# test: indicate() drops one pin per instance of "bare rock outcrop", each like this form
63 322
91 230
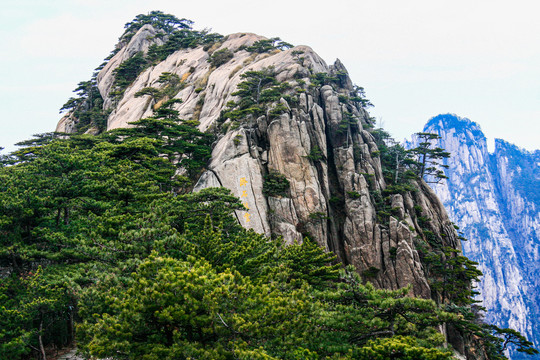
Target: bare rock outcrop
319 141
139 42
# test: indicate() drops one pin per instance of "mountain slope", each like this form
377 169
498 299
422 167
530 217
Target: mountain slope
295 143
494 200
314 118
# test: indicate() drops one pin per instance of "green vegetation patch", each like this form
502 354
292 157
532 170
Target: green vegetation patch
275 184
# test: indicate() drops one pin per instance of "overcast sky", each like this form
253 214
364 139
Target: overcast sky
418 58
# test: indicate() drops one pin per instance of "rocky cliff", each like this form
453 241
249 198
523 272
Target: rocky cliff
493 197
313 141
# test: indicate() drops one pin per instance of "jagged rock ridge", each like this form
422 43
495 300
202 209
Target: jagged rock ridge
494 199
331 195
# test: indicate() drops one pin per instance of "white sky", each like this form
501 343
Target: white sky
418 58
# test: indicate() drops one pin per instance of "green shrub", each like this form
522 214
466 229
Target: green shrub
292 100
353 194
343 99
423 221
318 216
359 96
267 45
128 71
237 140
87 107
171 85
220 57
315 154
320 79
371 272
431 238
275 184
398 189
277 111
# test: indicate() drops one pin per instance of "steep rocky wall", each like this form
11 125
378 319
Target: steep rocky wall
331 195
320 140
500 220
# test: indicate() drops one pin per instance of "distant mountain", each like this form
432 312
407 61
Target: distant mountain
495 199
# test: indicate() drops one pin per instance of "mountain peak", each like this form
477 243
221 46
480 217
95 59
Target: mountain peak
494 199
292 139
456 123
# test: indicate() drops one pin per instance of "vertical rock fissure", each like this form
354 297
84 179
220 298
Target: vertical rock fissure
253 140
221 184
336 218
257 206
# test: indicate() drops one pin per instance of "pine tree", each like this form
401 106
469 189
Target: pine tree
428 159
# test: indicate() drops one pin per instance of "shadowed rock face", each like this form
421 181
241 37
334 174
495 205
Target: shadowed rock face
494 198
317 117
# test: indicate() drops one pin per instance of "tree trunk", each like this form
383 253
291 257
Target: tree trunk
71 326
15 264
41 348
58 216
258 91
423 167
397 169
66 216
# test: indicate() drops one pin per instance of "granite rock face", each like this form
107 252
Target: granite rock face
320 142
494 199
